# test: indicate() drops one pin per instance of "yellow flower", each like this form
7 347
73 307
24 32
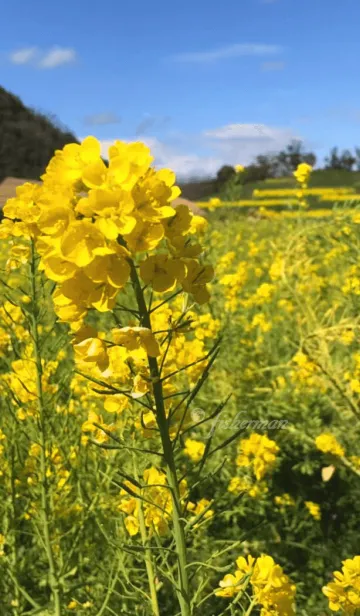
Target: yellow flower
180 223
245 565
272 589
344 592
201 505
347 337
133 338
284 500
303 173
144 236
239 484
194 449
89 426
92 350
231 585
313 509
157 508
77 162
80 243
2 543
327 443
162 272
258 452
132 525
116 404
197 277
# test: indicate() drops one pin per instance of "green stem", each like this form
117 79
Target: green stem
178 524
251 607
14 552
148 554
44 487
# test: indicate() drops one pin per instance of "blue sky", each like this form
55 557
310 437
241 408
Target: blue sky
204 83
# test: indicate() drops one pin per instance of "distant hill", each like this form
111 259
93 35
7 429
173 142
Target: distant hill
198 190
202 190
28 138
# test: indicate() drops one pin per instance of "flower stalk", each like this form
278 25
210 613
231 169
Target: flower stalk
148 556
42 426
177 518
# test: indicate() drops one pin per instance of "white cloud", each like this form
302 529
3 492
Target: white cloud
229 51
102 119
241 143
24 56
57 56
231 132
33 56
185 165
226 145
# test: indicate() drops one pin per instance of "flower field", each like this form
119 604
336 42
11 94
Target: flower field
180 399
274 195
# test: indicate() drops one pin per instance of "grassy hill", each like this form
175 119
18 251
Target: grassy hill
205 189
322 177
27 138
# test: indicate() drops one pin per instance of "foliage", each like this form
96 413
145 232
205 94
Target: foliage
27 138
345 160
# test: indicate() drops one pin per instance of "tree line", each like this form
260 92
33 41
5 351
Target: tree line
283 163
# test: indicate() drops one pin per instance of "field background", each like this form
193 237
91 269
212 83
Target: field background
284 306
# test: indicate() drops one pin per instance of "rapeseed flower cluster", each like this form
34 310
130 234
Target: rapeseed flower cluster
344 592
256 459
271 588
313 509
90 219
284 500
327 443
157 505
259 453
194 449
291 192
302 175
96 227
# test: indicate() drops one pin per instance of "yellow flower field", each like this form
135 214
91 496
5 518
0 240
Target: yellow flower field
301 196
180 402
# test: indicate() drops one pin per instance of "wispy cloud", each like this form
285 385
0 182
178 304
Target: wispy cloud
229 51
273 66
102 119
232 132
57 56
43 59
24 56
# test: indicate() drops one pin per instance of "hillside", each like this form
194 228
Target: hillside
27 138
204 189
